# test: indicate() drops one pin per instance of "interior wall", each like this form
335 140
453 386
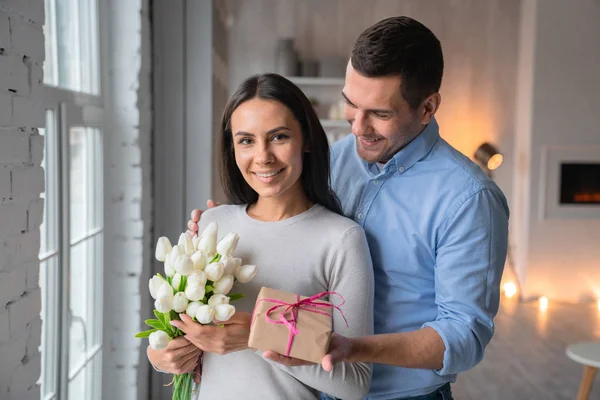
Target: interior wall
560 256
479 39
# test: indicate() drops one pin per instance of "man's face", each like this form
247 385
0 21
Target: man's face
381 119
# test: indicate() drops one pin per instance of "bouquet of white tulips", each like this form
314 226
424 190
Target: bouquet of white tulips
200 273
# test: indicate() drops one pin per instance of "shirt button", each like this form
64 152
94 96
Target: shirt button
375 181
360 215
401 169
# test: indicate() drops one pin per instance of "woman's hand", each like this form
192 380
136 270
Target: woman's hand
179 357
233 336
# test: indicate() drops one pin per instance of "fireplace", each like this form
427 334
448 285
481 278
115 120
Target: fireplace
580 183
570 183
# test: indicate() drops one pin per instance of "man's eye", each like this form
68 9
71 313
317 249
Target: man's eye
382 116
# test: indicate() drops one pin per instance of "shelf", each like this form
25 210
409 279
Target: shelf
316 81
335 123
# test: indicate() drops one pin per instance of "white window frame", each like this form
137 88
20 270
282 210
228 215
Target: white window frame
71 109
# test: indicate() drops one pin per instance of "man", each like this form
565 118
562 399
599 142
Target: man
437 226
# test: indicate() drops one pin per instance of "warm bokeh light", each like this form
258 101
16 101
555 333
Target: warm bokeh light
495 161
543 303
510 289
598 304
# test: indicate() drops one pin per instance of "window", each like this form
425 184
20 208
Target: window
72 234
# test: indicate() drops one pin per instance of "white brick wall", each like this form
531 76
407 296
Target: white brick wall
128 107
21 210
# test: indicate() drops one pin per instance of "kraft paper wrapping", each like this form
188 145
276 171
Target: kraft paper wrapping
312 341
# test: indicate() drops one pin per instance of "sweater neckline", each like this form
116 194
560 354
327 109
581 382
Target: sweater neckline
243 214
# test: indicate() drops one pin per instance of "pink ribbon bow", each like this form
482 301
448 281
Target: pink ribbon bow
289 316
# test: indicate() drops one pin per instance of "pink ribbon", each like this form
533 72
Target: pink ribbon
309 304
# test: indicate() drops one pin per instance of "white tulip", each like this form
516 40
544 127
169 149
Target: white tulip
192 308
165 290
246 273
205 314
175 252
214 271
228 244
208 240
176 281
158 340
211 229
199 260
223 285
163 247
180 302
184 265
218 299
223 312
185 241
195 292
195 241
155 284
197 278
163 304
230 264
169 270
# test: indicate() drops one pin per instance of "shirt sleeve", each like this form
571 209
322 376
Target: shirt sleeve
470 257
352 277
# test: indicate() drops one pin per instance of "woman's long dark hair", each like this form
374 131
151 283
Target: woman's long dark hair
315 176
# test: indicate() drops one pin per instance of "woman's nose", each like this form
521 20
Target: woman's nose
263 154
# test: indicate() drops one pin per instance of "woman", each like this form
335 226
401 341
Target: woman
275 171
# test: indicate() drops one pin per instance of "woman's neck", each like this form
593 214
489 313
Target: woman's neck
287 205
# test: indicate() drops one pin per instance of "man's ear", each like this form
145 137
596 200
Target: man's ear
430 106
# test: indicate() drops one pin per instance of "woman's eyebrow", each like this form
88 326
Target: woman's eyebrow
279 128
242 133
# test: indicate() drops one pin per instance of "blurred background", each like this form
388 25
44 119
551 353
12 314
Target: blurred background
109 115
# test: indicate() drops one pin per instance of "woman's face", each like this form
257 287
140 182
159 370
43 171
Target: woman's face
268 146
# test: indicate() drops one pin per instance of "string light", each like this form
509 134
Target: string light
543 303
510 289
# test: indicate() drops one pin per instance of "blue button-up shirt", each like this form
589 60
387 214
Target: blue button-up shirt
437 228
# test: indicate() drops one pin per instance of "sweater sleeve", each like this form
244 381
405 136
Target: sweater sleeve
350 275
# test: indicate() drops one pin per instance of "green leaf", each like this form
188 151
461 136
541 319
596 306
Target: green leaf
182 283
156 324
168 328
160 276
217 258
145 334
209 288
236 296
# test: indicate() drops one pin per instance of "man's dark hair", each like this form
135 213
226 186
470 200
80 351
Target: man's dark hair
404 47
315 177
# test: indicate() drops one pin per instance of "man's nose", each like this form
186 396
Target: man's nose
360 124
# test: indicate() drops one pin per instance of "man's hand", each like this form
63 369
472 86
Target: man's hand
339 350
195 217
233 336
179 357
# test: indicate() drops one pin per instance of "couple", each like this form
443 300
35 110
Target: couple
436 229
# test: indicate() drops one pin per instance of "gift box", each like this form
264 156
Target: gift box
292 325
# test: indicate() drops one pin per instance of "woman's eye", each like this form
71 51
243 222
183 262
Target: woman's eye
245 141
279 137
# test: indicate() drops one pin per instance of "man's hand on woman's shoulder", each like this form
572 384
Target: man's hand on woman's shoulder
195 218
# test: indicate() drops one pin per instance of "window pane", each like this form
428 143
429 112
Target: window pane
49 226
79 155
78 335
77 387
95 292
72 45
50 321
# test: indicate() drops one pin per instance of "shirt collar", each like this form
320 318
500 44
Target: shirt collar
414 151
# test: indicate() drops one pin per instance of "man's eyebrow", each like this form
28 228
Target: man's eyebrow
375 110
348 100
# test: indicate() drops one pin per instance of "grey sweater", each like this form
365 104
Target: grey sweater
312 252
